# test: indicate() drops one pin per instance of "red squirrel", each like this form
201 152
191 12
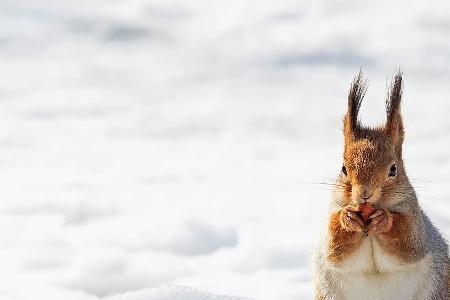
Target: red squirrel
379 243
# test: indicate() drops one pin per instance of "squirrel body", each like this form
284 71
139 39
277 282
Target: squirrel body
398 253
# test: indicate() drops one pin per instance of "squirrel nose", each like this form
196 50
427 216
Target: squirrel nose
363 193
366 193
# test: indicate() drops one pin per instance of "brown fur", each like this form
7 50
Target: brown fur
341 243
369 153
400 241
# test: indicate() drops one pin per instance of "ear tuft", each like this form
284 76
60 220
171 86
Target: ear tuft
355 96
394 123
394 97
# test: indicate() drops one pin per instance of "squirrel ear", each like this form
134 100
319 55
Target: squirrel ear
394 123
355 96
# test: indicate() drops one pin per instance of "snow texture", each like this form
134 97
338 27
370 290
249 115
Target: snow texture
148 145
170 293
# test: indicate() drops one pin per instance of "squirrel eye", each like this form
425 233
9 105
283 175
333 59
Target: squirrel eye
344 170
393 171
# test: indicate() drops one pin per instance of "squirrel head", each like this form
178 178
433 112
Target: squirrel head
373 167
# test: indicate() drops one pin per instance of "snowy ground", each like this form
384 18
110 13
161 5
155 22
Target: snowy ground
155 149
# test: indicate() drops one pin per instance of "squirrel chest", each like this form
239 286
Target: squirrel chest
377 275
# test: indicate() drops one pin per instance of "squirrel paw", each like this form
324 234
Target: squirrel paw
381 222
350 220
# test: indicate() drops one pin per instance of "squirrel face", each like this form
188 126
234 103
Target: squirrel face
373 169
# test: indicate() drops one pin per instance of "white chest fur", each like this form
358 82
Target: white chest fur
372 274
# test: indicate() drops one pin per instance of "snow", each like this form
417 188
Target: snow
167 149
170 293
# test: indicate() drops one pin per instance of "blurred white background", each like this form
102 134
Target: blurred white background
148 143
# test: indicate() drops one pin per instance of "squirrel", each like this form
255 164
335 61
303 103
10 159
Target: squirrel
379 243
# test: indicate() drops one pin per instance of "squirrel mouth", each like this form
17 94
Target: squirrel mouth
365 210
